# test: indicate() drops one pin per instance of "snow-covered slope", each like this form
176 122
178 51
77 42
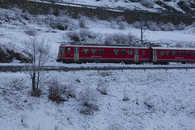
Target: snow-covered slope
17 27
171 6
160 100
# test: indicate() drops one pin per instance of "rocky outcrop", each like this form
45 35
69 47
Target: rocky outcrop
7 56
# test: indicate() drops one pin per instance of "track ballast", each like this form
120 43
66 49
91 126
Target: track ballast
20 68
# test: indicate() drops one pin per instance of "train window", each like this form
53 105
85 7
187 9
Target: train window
68 50
143 52
130 52
174 53
93 51
181 53
101 51
161 53
188 53
116 51
85 50
124 52
193 53
168 53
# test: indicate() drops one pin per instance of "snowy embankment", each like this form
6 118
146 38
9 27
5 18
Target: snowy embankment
160 100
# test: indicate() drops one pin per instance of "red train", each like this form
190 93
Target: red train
78 53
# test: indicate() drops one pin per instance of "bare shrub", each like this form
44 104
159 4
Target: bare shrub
55 93
26 15
82 35
83 22
39 51
125 95
88 101
59 92
155 103
78 80
121 39
61 23
30 32
36 93
74 36
69 91
12 16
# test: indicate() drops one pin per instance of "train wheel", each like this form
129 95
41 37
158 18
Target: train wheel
122 62
164 63
155 63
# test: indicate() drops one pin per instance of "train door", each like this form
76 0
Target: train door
150 54
76 54
136 56
154 55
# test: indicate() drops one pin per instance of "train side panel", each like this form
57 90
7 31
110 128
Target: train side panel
175 55
144 55
103 54
106 54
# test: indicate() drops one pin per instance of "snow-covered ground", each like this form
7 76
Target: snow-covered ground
160 100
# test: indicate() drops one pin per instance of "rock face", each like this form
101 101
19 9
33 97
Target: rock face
7 56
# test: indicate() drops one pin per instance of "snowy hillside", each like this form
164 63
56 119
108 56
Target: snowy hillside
171 6
94 100
17 27
135 100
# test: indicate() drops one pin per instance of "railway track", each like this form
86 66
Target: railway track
84 68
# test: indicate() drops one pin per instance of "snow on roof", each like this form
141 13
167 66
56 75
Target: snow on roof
172 48
74 44
101 45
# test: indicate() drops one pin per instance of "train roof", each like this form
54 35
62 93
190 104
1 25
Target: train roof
84 44
101 45
172 48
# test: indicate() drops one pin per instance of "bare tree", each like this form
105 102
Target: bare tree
39 52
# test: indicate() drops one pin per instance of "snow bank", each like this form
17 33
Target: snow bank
157 100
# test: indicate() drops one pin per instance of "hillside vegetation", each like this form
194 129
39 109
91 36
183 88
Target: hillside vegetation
21 20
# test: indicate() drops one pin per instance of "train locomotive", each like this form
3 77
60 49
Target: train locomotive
82 53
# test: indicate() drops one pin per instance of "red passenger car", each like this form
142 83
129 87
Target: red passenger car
165 55
70 53
103 53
